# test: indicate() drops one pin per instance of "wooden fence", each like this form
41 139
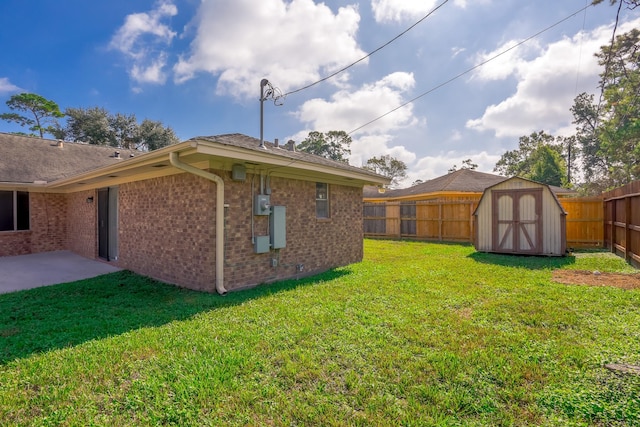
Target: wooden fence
622 222
452 220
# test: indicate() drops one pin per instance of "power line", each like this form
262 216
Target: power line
369 54
471 69
584 23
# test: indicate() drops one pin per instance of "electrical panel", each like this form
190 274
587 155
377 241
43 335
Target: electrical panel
278 227
261 205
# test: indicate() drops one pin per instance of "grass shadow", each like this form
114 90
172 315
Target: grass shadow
53 317
523 261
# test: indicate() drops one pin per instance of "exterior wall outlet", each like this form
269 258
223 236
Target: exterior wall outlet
274 262
299 268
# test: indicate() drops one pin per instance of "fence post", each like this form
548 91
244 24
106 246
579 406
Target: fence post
613 226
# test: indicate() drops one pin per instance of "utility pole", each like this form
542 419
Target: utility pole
263 83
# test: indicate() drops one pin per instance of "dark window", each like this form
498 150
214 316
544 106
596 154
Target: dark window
14 210
322 200
6 210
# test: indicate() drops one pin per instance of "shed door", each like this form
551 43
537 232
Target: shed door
517 221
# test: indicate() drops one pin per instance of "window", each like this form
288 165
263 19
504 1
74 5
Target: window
14 210
322 200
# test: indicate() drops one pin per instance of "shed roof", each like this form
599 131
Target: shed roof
517 178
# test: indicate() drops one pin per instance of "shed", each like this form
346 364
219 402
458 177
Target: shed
519 216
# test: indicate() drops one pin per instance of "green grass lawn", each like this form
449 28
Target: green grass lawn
417 334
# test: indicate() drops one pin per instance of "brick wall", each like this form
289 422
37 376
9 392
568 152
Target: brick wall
15 243
48 222
47 227
318 244
82 234
166 230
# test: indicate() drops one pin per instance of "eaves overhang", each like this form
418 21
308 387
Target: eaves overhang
204 155
272 162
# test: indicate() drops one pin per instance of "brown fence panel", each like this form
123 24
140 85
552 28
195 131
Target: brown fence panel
426 220
452 220
585 221
622 221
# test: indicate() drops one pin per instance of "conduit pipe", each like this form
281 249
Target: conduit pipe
175 162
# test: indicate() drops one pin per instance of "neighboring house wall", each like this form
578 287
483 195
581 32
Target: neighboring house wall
47 227
166 230
82 223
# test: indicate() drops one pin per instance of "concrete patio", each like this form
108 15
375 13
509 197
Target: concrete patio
48 268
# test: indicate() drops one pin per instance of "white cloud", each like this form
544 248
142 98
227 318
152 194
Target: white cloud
291 43
430 167
455 51
400 10
150 73
140 38
407 10
546 83
347 110
368 146
7 86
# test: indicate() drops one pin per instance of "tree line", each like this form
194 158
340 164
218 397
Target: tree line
605 149
89 125
335 145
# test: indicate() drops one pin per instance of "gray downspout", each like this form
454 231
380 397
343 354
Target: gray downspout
175 161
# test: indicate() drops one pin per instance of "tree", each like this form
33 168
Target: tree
333 145
631 4
547 167
152 135
90 125
123 130
519 162
466 164
538 157
389 167
595 166
619 131
44 112
97 126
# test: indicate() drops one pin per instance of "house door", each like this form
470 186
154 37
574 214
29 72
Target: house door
108 223
517 221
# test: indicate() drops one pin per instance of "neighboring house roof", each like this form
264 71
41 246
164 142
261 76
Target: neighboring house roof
72 166
460 181
26 159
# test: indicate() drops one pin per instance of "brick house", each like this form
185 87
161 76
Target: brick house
212 213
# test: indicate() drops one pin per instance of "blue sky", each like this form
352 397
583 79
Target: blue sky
196 66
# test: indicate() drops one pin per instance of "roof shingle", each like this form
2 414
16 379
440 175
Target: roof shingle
28 159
